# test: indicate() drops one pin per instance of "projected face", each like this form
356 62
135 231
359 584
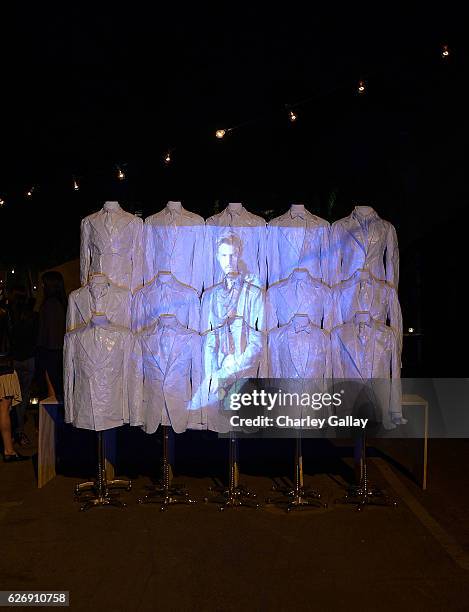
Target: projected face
227 256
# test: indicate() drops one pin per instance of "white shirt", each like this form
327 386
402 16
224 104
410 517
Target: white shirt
174 239
102 375
299 294
171 375
165 295
99 296
297 239
111 244
299 350
363 240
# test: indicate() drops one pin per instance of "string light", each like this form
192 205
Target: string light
13 270
220 134
34 288
444 51
2 202
411 330
292 116
361 87
120 173
167 158
29 193
76 185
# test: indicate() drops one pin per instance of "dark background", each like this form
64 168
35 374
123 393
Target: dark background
88 88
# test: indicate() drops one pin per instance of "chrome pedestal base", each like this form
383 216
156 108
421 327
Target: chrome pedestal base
101 486
366 495
166 494
235 495
297 499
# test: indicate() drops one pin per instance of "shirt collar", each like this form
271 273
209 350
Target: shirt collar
297 210
364 214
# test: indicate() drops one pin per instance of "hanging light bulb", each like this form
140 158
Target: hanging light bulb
444 51
292 116
220 134
76 185
120 174
361 87
167 158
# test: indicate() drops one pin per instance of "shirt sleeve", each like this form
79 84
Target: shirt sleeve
69 379
85 251
392 257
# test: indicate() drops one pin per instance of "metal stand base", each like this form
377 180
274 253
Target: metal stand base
165 493
101 485
235 495
366 494
299 497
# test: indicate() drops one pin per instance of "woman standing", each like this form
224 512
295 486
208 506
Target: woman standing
10 393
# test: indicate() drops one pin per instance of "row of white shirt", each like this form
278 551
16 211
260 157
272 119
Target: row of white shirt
234 297
168 374
130 253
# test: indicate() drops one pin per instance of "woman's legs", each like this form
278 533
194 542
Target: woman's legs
5 427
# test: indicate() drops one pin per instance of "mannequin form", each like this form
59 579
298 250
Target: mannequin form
299 349
111 243
99 295
165 295
174 239
297 239
103 381
299 293
364 240
171 374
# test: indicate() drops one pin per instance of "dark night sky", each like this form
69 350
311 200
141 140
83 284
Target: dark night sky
85 89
